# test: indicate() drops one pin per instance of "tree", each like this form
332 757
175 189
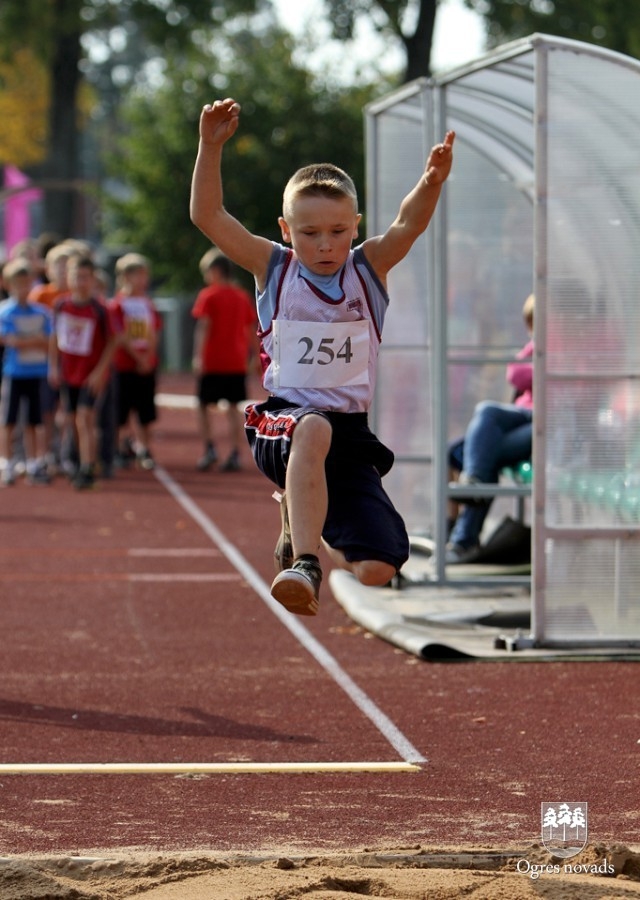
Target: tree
614 24
23 109
392 17
288 120
60 33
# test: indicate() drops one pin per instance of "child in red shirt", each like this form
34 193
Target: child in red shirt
80 352
225 336
137 323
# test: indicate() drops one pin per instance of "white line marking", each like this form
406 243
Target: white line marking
364 703
176 401
242 768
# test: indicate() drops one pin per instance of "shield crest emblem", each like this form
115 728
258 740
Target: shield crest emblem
564 828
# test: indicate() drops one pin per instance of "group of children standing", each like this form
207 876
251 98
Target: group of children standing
90 363
69 353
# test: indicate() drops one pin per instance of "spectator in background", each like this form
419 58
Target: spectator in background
137 324
55 262
225 339
80 353
24 332
499 435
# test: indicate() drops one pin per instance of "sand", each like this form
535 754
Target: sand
599 872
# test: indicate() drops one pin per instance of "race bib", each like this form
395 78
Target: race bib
31 326
320 354
75 334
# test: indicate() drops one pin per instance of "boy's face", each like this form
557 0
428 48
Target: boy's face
57 272
81 282
136 281
20 285
321 230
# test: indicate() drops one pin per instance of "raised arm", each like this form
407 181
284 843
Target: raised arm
414 215
218 123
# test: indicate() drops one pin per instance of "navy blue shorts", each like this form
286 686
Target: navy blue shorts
72 396
213 387
18 393
135 392
361 520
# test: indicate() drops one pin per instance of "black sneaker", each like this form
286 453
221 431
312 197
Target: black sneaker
232 464
85 479
208 459
283 554
297 588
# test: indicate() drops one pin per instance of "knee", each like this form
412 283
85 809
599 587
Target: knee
373 572
484 409
314 433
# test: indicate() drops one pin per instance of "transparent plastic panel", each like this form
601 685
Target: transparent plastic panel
403 409
490 258
401 414
591 593
593 213
590 437
400 156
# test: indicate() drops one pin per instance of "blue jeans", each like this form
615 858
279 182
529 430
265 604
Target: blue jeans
498 435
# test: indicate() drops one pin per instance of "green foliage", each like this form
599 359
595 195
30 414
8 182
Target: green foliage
288 120
391 17
614 24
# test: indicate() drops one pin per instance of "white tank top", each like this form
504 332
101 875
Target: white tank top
318 351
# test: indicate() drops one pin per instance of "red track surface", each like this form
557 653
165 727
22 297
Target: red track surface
106 657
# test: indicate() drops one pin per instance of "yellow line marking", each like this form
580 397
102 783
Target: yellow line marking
240 768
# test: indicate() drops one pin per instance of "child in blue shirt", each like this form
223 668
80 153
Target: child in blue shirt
24 332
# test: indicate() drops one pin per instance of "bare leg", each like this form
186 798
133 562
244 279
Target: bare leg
235 417
306 483
372 572
85 423
204 425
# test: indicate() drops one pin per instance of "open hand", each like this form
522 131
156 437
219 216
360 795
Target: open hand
440 159
219 121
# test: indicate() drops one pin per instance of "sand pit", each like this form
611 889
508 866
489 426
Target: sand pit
599 872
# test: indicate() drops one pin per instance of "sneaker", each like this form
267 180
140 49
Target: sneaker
297 588
8 476
39 475
283 554
455 555
232 464
210 457
145 460
85 479
125 454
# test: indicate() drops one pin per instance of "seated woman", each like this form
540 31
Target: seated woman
499 435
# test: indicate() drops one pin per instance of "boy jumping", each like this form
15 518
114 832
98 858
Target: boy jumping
321 308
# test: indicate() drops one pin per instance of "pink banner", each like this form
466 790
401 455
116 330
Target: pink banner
17 209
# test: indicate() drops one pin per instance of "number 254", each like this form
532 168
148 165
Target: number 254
324 353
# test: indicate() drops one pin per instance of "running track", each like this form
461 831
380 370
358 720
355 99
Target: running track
137 628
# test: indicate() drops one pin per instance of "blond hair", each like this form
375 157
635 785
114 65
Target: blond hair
527 310
130 262
214 258
318 180
18 266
